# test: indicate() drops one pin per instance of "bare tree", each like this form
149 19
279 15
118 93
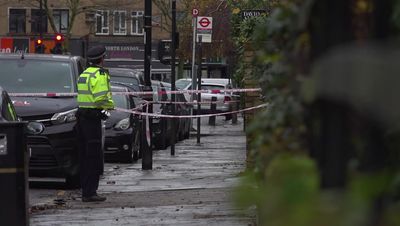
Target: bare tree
218 9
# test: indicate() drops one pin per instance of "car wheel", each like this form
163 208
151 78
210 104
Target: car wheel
162 139
186 134
181 134
162 142
228 117
133 154
130 156
136 147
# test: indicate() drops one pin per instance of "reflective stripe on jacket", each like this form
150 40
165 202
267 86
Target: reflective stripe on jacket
94 89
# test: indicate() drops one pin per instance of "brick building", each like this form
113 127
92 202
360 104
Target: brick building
117 24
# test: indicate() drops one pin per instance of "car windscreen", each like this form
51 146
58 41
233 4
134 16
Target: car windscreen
131 82
36 76
182 84
120 101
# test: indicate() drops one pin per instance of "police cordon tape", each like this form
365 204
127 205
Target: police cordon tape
134 111
141 93
194 102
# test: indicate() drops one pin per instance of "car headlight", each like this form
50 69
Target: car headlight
64 117
123 124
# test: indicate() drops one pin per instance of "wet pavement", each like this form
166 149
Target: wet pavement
194 187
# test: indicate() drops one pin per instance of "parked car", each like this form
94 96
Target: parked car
213 85
182 108
134 81
8 114
54 152
160 127
122 133
7 110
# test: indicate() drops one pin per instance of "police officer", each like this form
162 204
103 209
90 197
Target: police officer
94 101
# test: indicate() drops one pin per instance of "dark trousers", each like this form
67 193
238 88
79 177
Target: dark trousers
90 152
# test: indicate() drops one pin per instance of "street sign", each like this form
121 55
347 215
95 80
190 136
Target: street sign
204 29
253 13
195 12
204 23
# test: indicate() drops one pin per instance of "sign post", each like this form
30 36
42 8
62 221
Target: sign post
195 12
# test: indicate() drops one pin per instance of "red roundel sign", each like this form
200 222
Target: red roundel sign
204 23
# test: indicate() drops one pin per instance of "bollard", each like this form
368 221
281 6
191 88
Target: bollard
213 109
235 107
13 174
147 152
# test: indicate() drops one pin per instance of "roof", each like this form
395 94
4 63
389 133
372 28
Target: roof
127 72
118 88
38 56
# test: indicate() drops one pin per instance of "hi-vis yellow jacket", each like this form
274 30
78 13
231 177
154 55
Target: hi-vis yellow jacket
94 89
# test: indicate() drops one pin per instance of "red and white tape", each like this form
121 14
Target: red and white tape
194 102
188 116
139 93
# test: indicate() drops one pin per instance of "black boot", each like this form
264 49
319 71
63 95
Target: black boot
94 198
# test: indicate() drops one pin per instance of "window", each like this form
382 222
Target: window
61 19
102 22
35 21
17 21
120 22
137 23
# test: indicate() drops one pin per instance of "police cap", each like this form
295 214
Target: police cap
96 52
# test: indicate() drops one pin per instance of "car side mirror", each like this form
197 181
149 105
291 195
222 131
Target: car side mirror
34 128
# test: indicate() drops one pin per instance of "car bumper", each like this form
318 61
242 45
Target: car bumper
117 144
54 152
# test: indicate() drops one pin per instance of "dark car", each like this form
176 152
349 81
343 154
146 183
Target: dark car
7 111
183 125
8 114
54 152
161 127
122 134
134 81
131 78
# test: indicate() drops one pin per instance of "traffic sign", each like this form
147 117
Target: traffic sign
195 12
204 28
204 23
